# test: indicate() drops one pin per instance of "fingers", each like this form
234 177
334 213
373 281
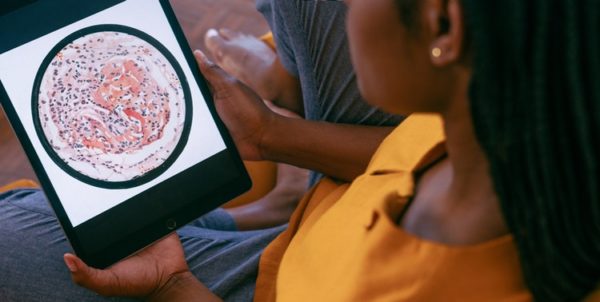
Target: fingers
232 56
206 66
227 55
96 280
215 43
218 80
216 40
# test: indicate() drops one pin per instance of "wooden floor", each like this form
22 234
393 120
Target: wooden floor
195 16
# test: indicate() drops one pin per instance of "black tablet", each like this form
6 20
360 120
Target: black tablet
119 125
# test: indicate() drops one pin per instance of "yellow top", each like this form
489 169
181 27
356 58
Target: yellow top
343 243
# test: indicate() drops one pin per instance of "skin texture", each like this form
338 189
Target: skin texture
255 64
455 203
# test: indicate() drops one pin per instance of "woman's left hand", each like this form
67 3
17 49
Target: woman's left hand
142 275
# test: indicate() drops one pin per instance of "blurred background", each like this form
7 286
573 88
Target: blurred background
195 17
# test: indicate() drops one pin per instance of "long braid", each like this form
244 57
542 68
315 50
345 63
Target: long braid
536 106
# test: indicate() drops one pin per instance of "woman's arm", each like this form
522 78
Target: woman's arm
340 151
337 150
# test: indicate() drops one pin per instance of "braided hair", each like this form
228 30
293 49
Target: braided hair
535 102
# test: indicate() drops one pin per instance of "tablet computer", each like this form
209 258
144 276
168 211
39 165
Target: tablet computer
106 98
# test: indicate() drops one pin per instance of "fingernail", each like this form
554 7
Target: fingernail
71 265
211 33
200 55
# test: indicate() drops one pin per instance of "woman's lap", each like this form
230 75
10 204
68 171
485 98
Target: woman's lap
32 244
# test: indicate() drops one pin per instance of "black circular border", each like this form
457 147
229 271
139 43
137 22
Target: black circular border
145 178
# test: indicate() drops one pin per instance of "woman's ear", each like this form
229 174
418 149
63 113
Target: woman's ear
445 22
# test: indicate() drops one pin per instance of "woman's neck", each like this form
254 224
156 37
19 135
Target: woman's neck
456 202
470 169
471 192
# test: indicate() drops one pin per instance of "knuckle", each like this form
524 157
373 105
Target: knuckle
212 66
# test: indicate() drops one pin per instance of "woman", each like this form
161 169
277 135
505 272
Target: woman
498 176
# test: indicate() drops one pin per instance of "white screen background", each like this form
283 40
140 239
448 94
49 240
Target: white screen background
19 67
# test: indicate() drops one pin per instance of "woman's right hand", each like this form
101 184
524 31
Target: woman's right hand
242 110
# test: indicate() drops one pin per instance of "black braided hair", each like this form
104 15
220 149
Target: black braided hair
535 101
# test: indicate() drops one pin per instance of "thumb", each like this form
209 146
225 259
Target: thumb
96 280
218 80
215 44
207 67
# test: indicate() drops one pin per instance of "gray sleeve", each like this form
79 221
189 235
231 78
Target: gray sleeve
285 49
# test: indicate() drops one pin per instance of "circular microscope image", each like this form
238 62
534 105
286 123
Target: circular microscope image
112 106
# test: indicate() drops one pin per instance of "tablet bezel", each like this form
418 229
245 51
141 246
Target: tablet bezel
126 242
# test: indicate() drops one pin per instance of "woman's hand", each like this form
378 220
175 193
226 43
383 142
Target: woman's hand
241 109
257 65
149 273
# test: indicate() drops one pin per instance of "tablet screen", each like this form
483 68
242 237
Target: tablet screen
109 104
112 106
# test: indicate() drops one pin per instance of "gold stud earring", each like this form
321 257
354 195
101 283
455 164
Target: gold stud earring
436 52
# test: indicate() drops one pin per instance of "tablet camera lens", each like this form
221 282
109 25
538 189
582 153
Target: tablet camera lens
171 224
